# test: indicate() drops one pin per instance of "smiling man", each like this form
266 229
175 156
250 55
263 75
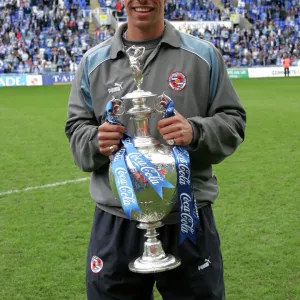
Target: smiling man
145 19
209 122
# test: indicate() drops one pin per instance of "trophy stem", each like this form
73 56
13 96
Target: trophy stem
141 127
154 259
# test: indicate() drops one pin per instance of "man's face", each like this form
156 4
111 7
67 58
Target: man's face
144 14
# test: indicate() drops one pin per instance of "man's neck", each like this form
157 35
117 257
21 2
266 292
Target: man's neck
142 34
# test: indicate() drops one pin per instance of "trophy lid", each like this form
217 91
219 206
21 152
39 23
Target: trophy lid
138 94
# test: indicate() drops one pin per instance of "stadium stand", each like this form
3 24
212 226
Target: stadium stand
40 36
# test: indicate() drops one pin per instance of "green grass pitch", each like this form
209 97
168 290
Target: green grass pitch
44 232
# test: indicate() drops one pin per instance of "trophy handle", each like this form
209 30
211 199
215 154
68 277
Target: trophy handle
161 102
118 107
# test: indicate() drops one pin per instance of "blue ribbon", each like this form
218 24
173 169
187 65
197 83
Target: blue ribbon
140 162
188 213
123 183
145 167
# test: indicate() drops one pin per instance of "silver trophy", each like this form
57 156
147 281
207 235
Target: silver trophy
153 207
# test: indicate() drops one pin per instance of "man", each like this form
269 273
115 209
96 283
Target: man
210 122
286 65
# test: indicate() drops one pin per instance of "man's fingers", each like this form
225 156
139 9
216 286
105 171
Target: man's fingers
109 135
174 135
170 120
109 150
166 122
108 143
170 128
108 127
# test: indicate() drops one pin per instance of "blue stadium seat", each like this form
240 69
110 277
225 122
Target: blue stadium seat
78 59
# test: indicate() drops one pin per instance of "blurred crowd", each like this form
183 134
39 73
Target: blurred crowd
38 36
270 31
260 45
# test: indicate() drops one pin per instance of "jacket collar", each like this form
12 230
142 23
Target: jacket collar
171 37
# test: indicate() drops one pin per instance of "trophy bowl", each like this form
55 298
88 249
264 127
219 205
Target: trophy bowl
153 207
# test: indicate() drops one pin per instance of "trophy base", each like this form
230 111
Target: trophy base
154 258
144 266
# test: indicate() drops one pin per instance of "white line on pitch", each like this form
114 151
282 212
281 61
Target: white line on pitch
43 186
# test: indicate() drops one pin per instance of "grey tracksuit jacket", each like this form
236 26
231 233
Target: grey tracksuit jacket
190 71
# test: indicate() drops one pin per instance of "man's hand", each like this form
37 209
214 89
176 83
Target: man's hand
109 137
176 128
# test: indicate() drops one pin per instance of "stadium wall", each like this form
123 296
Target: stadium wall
67 78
